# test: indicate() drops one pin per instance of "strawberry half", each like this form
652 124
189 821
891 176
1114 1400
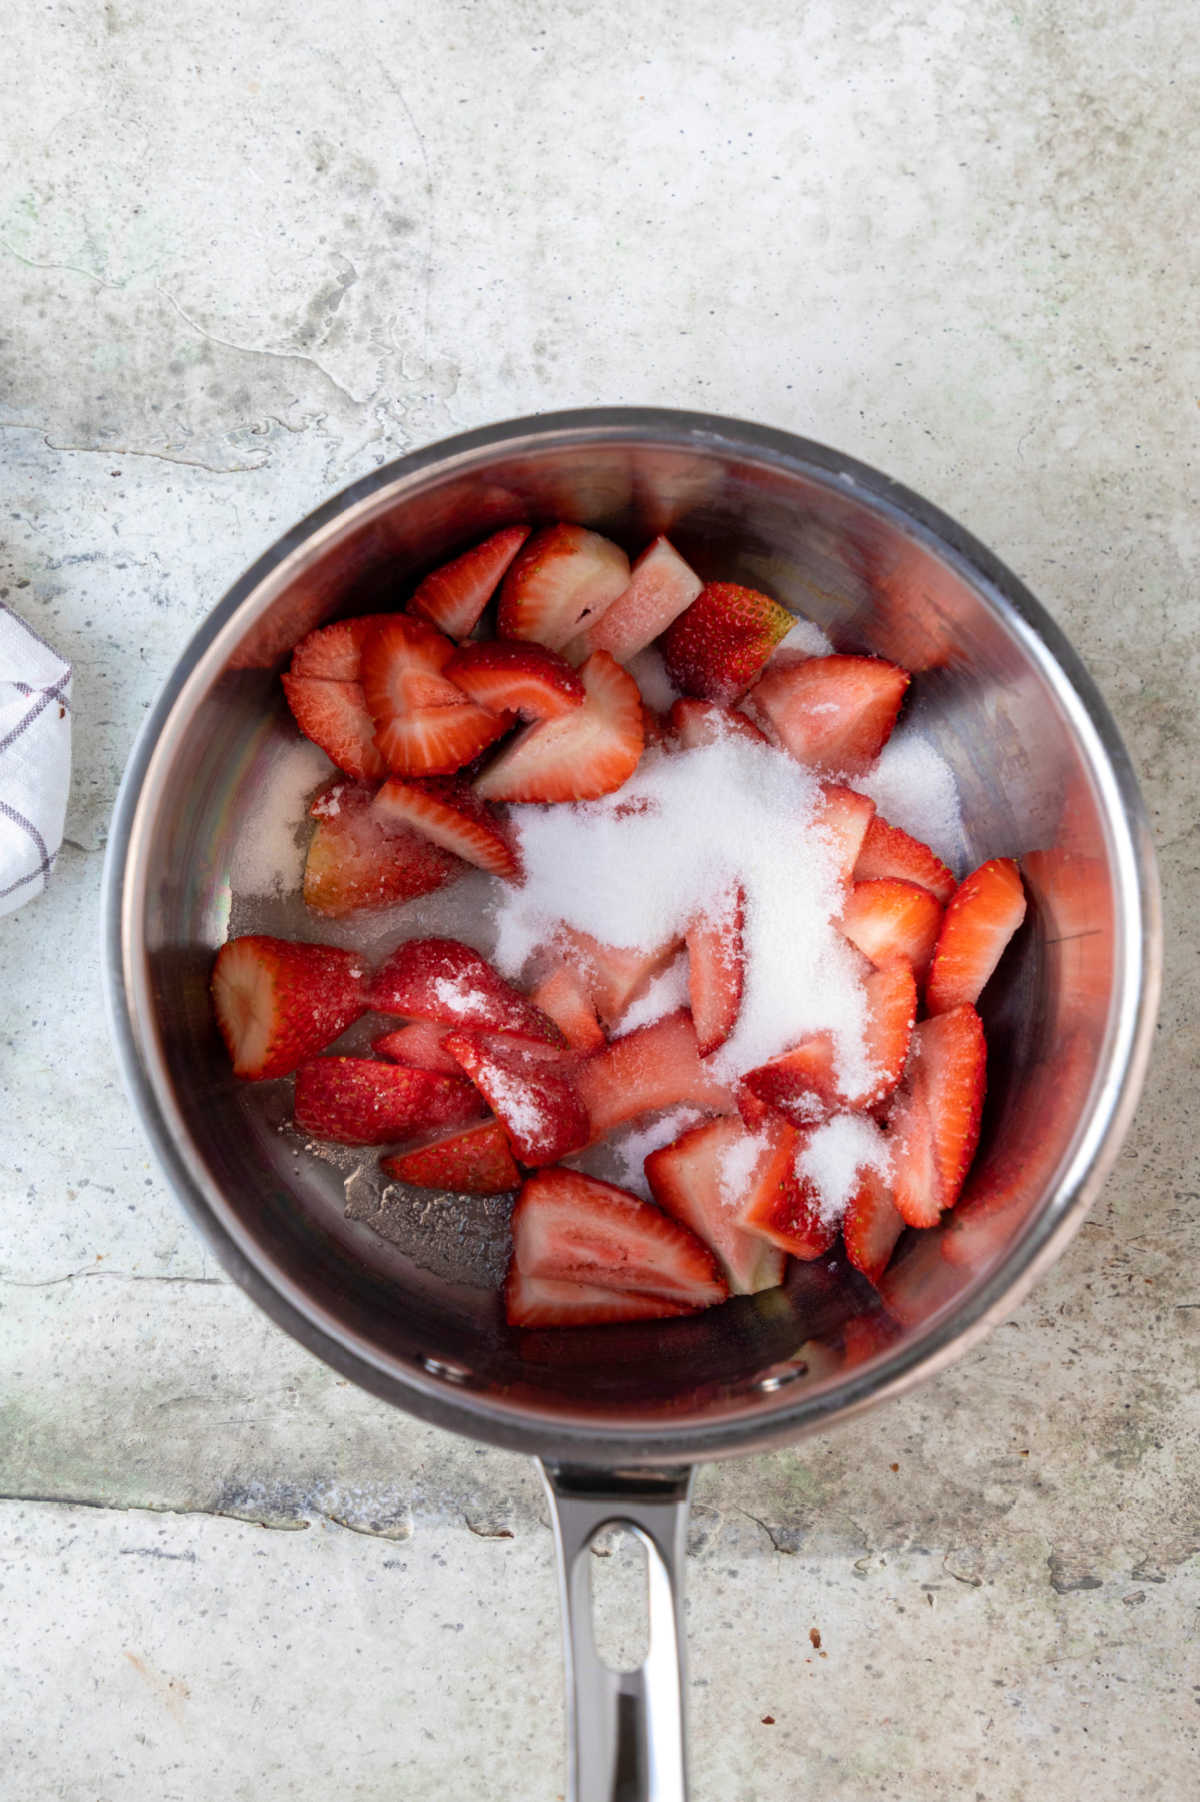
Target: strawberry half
871 1225
562 581
802 1085
334 653
357 1101
277 1001
887 919
787 1212
717 648
335 716
887 851
832 713
563 998
447 811
571 1228
986 910
710 1178
509 675
475 1162
353 864
845 817
704 723
717 969
654 1066
589 752
443 979
935 1119
453 596
531 1095
537 1301
661 585
421 1045
613 976
424 725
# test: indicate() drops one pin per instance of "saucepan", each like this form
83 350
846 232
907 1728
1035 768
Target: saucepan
403 1299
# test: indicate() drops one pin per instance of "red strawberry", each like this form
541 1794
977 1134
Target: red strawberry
424 725
654 727
589 752
563 998
709 1178
661 585
570 1228
935 1120
334 652
887 851
358 1101
562 582
846 818
449 813
787 1211
334 715
986 910
717 648
536 1301
474 1162
514 676
654 1066
832 713
802 1084
442 979
717 969
420 1045
871 1225
533 1097
453 596
353 863
612 975
887 919
278 1001
704 722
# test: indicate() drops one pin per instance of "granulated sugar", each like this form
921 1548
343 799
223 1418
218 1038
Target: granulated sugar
736 1164
804 639
913 787
663 996
833 1155
268 855
631 1146
650 673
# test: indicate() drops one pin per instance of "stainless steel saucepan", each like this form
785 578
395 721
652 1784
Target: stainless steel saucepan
619 1415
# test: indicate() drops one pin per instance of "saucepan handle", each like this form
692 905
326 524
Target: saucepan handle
626 1728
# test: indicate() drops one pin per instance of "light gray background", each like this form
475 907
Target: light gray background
248 254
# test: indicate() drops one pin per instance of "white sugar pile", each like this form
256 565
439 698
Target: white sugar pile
268 856
650 673
664 995
833 1154
804 639
912 786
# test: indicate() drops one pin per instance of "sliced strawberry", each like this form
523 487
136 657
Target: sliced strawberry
453 596
845 817
787 1211
887 851
704 723
661 585
709 1178
354 865
475 1162
278 1001
717 969
561 583
935 1120
424 724
449 813
570 1228
510 675
358 1101
654 1066
589 752
654 727
533 1098
871 1225
612 975
563 998
420 1045
802 1085
334 652
887 919
717 648
986 910
832 713
335 716
443 979
538 1301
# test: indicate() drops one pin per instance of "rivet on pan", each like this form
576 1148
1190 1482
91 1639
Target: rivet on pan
786 1373
449 1373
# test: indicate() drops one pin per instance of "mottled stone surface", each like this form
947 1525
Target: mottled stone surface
248 255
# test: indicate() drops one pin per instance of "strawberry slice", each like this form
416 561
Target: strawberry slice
832 713
570 1228
563 998
661 585
613 976
424 724
453 596
532 1096
787 1211
717 969
589 752
562 582
443 979
335 716
537 1301
654 728
475 1162
887 919
802 1085
278 1001
887 851
509 675
986 910
654 1066
354 865
717 648
871 1225
357 1101
704 723
448 813
711 1178
846 818
334 652
421 1045
935 1119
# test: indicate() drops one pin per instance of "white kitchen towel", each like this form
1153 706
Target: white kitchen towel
35 759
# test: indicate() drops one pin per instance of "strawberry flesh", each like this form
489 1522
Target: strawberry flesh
717 969
513 676
803 1085
447 811
986 910
661 585
532 1096
358 1101
887 919
845 818
831 713
354 864
424 724
935 1119
445 980
787 1211
654 1066
871 1225
453 597
563 998
691 1180
334 653
613 976
475 1162
561 583
718 646
278 1001
589 752
421 1045
538 1301
705 723
888 851
335 716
